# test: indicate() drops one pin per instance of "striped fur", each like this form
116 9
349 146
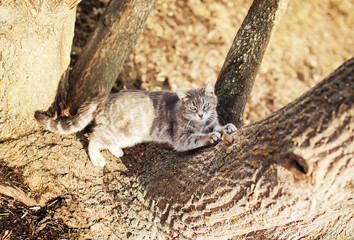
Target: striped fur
69 125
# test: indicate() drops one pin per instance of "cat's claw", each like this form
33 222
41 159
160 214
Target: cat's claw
229 128
215 136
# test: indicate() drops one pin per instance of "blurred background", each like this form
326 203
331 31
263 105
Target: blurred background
185 43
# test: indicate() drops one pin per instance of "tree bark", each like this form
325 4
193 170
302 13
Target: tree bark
104 55
237 75
289 176
35 38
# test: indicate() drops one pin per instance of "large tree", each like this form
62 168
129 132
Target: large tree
287 176
35 43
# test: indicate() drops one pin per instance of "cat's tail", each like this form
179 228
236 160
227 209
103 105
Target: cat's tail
70 125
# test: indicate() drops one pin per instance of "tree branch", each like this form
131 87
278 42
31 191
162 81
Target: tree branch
20 196
294 166
237 75
103 57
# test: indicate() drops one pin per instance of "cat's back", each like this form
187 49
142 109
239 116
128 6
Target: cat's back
134 112
140 98
130 113
163 100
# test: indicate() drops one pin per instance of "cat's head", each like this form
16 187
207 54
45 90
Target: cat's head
198 104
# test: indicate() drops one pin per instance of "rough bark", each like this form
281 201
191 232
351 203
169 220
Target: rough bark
289 176
32 59
103 57
235 81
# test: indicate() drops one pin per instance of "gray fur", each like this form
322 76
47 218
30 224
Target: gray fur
184 119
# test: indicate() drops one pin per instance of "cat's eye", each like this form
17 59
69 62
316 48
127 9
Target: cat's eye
193 108
205 106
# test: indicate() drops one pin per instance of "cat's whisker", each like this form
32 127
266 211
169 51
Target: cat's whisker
220 119
187 124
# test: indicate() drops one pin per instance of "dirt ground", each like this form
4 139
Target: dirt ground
19 221
184 45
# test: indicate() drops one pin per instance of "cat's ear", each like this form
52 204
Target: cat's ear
209 88
182 95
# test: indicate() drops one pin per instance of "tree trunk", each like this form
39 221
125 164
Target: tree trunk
289 176
104 55
36 57
32 59
237 75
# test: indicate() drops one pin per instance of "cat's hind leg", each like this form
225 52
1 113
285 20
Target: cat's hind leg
94 153
116 151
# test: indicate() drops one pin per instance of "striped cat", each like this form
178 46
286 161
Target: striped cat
184 119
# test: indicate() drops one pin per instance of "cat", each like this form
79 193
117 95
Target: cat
185 119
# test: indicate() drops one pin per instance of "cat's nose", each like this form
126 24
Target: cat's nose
200 115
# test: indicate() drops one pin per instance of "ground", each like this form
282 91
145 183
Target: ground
19 221
184 45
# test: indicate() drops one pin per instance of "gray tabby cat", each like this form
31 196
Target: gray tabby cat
184 119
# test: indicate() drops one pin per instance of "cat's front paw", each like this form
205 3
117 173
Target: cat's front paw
214 137
229 128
